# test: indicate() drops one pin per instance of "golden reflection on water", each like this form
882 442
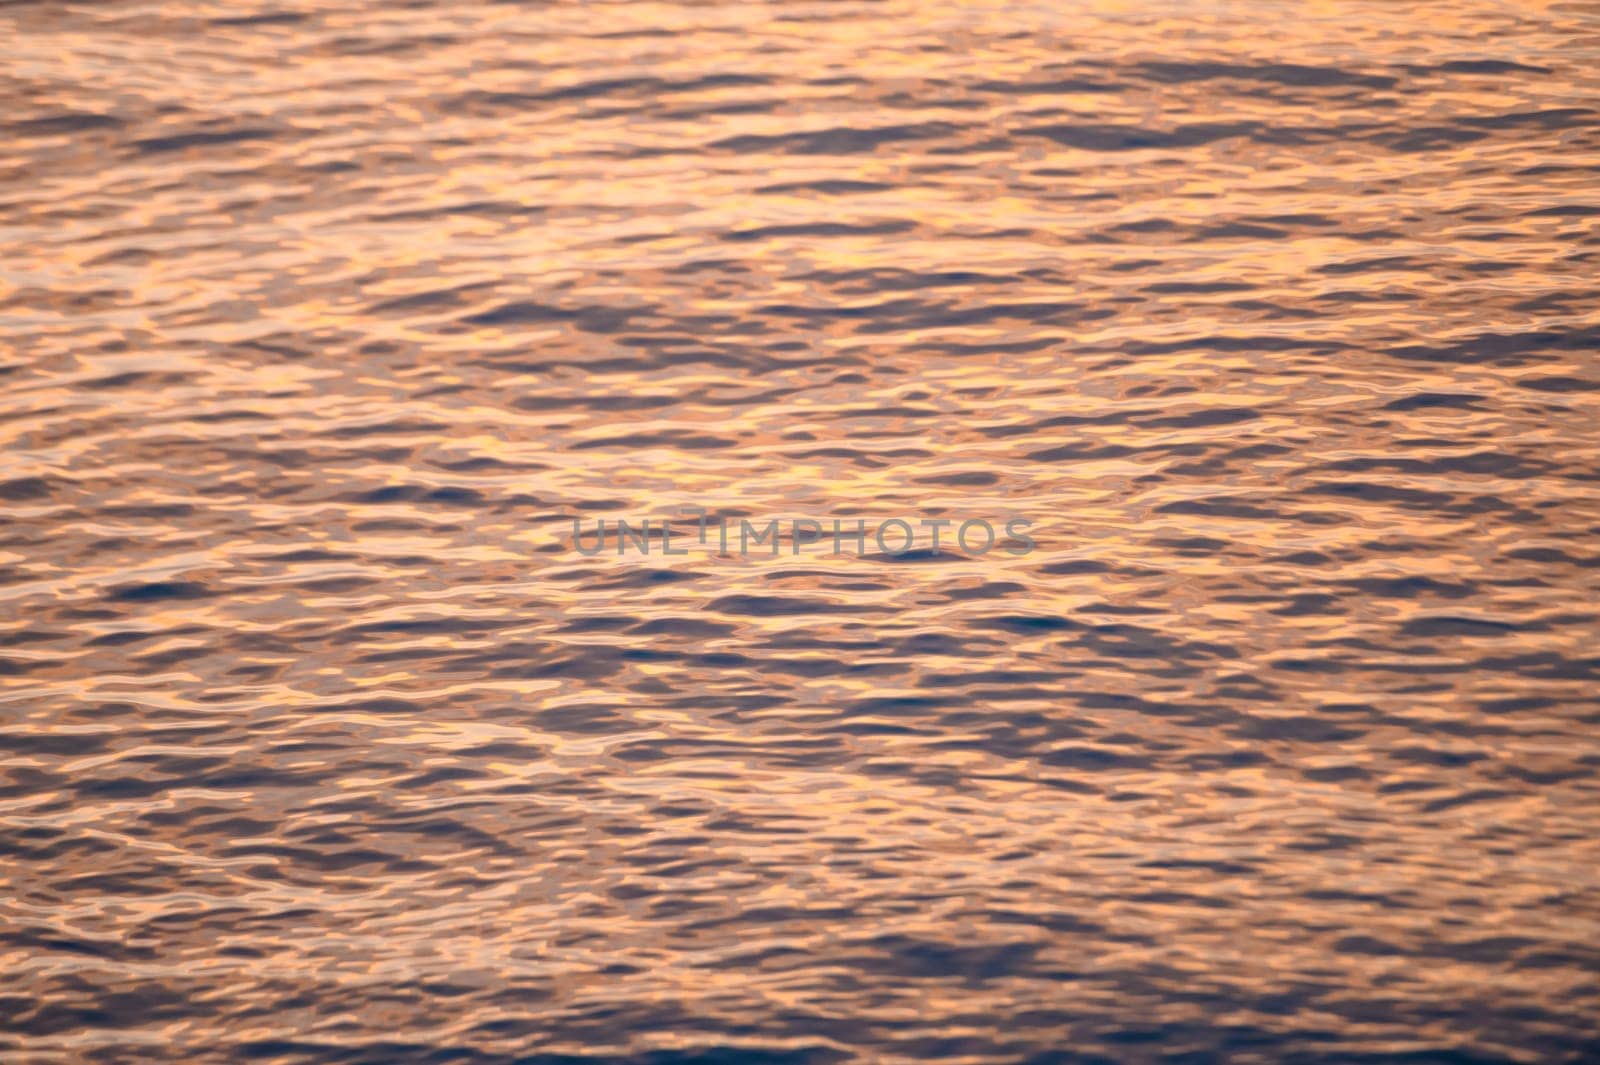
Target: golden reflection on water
323 744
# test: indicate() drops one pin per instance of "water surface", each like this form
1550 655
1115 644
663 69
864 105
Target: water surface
320 321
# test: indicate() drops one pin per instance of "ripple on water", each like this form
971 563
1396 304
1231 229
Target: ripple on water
321 322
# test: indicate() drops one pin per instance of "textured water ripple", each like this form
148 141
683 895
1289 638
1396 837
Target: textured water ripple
319 322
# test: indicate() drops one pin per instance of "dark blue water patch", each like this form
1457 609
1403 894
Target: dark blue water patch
623 402
1293 74
821 229
647 578
827 187
1411 587
1026 624
1104 137
262 18
1429 139
1564 210
1559 118
1504 349
29 489
1559 383
1463 626
455 496
1222 507
838 140
1196 287
205 139
1481 463
686 628
1435 401
64 122
162 590
1374 492
1488 66
681 439
778 606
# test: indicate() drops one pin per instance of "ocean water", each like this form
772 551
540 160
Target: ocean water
320 323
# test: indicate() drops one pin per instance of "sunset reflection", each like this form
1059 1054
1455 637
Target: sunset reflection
323 324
